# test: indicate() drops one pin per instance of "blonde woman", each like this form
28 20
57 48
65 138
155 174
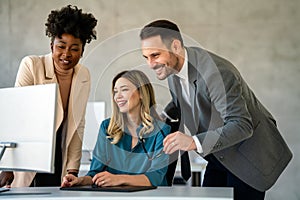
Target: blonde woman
129 146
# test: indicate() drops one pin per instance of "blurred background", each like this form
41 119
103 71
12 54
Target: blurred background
261 38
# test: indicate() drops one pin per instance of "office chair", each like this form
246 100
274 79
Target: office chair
171 115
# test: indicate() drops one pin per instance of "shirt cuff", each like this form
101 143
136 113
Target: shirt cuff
198 145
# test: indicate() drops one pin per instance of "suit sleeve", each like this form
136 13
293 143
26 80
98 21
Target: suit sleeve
225 92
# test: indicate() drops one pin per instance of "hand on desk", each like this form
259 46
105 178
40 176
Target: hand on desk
101 179
6 178
178 141
69 180
106 179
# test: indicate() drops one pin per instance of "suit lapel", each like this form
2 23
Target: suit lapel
186 110
76 106
51 78
174 89
192 76
178 96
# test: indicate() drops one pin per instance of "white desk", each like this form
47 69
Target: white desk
161 193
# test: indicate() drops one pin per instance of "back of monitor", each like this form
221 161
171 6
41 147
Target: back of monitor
95 114
27 118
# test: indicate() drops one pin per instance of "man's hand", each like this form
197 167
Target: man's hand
178 141
6 178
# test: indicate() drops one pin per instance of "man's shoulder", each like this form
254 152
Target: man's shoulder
199 57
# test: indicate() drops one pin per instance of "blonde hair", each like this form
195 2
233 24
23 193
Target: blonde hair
148 112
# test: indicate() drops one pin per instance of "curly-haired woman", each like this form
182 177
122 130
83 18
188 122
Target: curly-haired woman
69 30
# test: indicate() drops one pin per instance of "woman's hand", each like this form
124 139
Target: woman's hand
69 180
6 178
107 179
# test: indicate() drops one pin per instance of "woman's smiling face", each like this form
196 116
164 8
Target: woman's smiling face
127 96
66 51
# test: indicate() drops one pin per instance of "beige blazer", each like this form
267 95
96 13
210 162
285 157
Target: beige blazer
35 70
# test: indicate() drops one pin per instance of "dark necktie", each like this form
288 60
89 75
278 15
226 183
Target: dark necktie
188 120
185 165
185 161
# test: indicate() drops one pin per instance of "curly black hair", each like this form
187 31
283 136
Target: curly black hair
71 20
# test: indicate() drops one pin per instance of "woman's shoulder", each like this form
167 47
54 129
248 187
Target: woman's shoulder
82 69
105 123
104 127
37 58
160 125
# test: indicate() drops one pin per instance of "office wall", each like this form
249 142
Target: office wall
260 37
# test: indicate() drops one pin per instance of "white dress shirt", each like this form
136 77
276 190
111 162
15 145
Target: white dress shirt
184 82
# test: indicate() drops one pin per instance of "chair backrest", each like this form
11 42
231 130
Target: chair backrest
172 118
172 168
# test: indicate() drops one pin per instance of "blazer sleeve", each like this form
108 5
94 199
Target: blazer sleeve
74 153
25 73
229 107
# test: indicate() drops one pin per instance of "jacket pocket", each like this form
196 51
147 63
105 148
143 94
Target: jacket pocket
264 149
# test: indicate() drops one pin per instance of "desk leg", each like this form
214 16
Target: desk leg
196 179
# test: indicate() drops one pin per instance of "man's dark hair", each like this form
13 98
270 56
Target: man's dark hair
168 31
72 21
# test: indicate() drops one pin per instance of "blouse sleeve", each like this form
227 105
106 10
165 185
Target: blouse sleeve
99 153
159 166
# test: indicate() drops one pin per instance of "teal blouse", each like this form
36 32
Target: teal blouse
120 158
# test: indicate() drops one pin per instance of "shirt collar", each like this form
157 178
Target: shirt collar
138 129
183 73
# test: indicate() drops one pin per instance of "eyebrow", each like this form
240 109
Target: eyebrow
123 86
153 54
61 41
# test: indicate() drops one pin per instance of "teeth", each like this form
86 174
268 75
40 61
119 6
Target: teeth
122 103
66 61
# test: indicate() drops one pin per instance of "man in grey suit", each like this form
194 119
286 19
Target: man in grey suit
228 125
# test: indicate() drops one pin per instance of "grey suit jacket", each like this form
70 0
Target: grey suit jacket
230 122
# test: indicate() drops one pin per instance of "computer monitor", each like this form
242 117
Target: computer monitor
27 128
